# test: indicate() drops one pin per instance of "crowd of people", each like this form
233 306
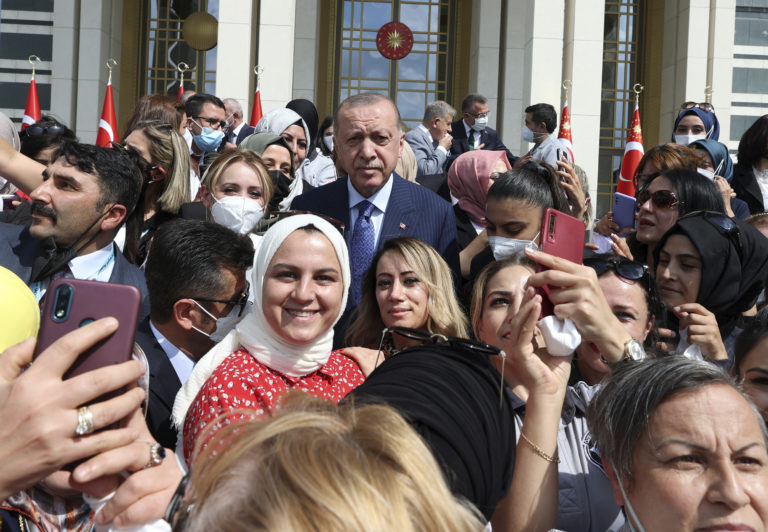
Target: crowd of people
346 326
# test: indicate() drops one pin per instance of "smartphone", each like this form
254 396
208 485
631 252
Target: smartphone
624 210
73 303
562 236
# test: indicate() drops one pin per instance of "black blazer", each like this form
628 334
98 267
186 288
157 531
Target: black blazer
746 188
164 384
18 250
488 136
465 231
245 131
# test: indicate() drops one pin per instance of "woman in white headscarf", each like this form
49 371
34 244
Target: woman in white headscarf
289 125
300 278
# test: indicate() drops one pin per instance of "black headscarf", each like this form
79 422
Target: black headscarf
307 110
451 397
730 284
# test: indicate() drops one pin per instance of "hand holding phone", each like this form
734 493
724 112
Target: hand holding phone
562 236
624 210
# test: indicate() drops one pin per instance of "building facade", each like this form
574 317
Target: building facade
515 52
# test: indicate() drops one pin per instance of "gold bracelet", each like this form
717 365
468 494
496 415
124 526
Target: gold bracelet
537 449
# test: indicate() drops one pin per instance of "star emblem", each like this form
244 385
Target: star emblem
394 39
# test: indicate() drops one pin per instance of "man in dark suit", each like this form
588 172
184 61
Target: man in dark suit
238 129
374 203
83 200
472 131
197 293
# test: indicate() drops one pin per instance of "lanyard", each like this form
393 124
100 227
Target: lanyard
40 287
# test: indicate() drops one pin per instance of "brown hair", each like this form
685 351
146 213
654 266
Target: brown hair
230 157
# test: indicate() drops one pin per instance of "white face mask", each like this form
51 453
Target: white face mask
709 174
223 324
328 141
685 140
503 247
527 134
238 213
480 124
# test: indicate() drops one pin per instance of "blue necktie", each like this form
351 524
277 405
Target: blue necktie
361 248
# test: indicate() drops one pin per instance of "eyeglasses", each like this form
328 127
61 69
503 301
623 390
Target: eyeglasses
425 337
242 302
338 224
478 115
214 123
36 131
172 512
721 221
628 269
704 106
662 199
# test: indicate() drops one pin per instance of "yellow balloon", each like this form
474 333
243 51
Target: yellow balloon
19 312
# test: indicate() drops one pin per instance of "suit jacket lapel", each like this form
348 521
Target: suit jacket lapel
164 383
399 215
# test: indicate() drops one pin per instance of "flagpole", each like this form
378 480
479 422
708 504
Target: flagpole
633 151
181 67
107 132
256 112
32 108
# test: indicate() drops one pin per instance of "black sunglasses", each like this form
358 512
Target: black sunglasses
338 224
704 106
36 131
426 337
628 269
721 221
662 199
172 512
242 302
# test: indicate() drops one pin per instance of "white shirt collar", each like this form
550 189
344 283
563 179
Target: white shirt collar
236 131
379 199
467 128
182 364
90 266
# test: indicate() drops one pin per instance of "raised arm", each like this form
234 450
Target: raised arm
19 169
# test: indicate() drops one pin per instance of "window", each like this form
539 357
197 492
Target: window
751 23
412 82
164 48
620 66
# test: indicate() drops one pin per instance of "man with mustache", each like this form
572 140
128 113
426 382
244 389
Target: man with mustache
84 198
374 203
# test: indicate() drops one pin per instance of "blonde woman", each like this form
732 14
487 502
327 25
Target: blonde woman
408 285
375 473
165 167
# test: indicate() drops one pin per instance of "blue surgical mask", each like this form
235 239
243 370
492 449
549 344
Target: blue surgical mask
209 139
328 141
480 124
633 519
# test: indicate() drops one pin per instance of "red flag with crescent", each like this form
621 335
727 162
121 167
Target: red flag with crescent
108 123
564 134
633 152
256 113
32 109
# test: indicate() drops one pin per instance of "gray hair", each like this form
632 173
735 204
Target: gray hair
438 109
362 100
235 106
469 99
620 412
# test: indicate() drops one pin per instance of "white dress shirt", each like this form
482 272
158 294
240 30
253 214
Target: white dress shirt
380 200
182 364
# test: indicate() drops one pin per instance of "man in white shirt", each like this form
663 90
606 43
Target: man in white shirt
197 293
84 198
430 140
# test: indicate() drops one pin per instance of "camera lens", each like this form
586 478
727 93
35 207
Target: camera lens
62 302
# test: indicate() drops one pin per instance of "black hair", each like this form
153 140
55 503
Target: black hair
754 143
694 191
471 98
186 260
194 105
536 184
325 124
543 112
53 132
753 334
118 176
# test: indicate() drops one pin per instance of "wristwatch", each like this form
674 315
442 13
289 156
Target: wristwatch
633 350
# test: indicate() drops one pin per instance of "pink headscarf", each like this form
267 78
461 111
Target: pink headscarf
468 180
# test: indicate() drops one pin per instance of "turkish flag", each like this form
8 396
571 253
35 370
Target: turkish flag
108 123
633 152
256 113
564 134
181 91
32 109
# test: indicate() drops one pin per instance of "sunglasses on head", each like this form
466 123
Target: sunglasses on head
704 106
426 337
36 131
721 221
628 269
662 199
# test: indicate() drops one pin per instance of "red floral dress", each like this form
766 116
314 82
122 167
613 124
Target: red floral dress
243 383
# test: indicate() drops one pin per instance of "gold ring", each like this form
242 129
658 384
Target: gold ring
84 421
